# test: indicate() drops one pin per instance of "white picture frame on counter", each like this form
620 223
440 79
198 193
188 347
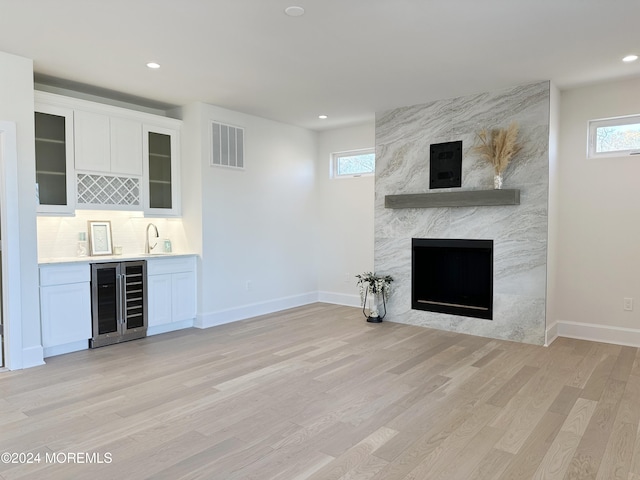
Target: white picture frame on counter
100 238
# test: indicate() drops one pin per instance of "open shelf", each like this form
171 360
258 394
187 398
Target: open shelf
466 198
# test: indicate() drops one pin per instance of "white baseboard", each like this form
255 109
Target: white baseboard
32 356
600 333
550 334
84 344
339 299
253 310
169 327
66 348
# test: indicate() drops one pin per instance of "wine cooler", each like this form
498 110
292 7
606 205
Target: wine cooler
118 302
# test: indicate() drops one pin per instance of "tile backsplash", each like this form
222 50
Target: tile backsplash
58 236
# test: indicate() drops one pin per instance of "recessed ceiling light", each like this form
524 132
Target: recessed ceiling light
153 65
322 117
630 58
294 11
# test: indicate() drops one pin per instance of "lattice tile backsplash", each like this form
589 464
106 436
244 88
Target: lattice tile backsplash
108 190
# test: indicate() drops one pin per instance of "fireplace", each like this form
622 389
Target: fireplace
452 276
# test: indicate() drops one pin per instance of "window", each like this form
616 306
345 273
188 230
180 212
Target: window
355 163
614 137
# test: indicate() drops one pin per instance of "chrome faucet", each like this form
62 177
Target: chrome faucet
147 248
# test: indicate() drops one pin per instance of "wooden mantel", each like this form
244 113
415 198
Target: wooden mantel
464 198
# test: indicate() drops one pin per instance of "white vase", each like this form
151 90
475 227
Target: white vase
497 181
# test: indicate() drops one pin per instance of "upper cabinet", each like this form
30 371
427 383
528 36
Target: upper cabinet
93 148
55 182
107 144
126 146
96 156
161 171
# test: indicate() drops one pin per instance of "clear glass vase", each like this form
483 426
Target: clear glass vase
373 304
497 181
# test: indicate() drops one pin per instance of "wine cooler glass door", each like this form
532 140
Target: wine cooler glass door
106 299
135 296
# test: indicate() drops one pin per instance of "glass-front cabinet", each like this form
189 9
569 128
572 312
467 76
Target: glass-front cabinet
162 171
97 156
55 184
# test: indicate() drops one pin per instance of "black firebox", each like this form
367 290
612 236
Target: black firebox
452 276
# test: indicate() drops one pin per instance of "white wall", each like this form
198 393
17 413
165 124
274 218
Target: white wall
598 257
553 221
16 105
345 217
259 224
191 165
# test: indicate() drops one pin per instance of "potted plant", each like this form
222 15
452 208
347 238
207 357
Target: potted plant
374 288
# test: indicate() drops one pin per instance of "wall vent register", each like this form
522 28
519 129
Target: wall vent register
227 145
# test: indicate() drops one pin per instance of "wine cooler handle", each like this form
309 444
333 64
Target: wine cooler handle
123 297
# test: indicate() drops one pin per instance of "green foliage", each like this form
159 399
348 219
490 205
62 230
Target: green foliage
374 284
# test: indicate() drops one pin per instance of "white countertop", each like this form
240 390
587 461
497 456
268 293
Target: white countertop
111 258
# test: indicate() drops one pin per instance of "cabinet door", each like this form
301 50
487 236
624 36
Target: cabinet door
159 298
161 171
92 141
184 296
55 182
126 146
107 305
65 313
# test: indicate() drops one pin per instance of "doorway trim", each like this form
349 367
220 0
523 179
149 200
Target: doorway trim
10 240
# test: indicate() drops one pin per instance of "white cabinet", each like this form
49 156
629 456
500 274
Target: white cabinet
65 307
183 295
55 178
159 294
161 171
91 132
171 287
117 159
107 144
126 146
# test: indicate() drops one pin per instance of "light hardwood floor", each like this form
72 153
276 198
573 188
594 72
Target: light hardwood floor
317 393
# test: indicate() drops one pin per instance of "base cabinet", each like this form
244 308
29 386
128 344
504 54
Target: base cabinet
172 290
65 308
160 299
183 296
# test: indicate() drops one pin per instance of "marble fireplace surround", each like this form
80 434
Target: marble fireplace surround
519 231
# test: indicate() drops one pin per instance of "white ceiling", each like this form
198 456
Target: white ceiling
344 58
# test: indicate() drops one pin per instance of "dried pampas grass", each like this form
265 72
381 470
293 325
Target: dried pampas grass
498 146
